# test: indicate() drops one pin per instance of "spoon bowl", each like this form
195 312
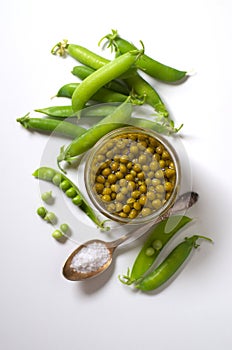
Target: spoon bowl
72 274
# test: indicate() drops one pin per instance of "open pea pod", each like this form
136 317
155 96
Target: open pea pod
157 239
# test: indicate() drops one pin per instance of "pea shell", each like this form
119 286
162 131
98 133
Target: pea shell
143 262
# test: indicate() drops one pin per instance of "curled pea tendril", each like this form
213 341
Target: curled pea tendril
110 43
60 48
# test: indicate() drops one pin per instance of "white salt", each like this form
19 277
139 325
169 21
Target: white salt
90 258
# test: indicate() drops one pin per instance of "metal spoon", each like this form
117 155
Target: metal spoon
184 202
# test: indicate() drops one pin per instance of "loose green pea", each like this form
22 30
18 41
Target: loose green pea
57 234
46 196
41 211
50 217
64 228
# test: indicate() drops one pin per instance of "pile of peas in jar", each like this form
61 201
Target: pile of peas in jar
134 175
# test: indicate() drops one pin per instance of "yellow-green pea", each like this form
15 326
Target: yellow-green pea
106 172
129 177
120 197
106 190
150 251
114 166
131 185
112 178
41 211
156 203
57 234
154 165
124 190
159 188
159 174
106 198
137 206
142 200
151 195
71 192
77 200
65 185
57 179
170 173
50 217
100 179
146 211
157 244
126 208
99 187
168 186
119 175
118 207
135 194
64 228
122 168
133 213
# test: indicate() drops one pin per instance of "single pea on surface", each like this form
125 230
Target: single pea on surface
41 211
47 197
132 175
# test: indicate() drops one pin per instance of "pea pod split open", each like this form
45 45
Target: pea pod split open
170 265
70 189
157 239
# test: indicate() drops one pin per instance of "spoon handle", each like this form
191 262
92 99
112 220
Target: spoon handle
184 202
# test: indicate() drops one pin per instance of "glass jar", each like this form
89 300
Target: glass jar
132 175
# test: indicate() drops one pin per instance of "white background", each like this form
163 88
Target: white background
39 308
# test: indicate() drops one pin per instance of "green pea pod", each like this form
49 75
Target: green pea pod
147 64
160 125
110 71
103 95
51 125
83 72
96 62
170 265
162 233
118 118
151 97
57 178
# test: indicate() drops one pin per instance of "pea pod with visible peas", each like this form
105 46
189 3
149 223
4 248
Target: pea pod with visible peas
51 125
152 247
170 265
118 118
70 189
147 64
